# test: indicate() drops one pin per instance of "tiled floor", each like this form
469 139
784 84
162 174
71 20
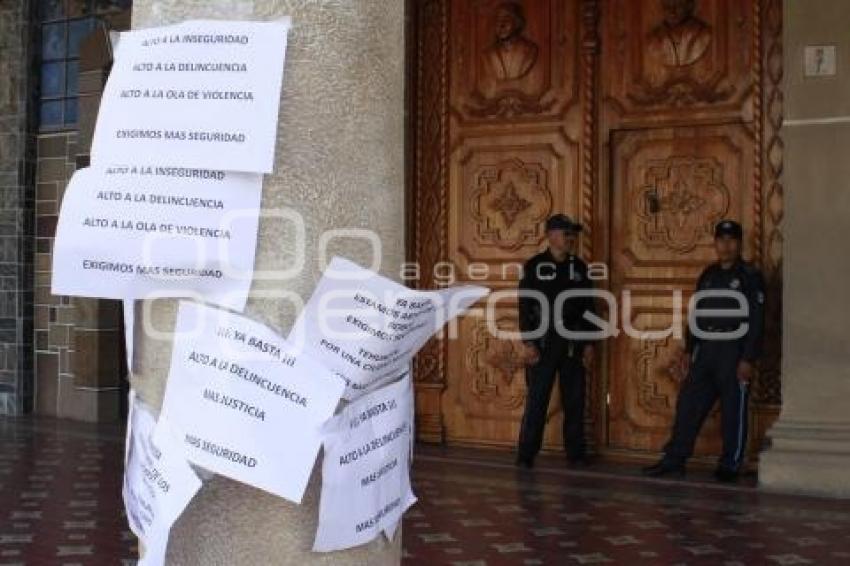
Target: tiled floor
60 504
60 495
478 509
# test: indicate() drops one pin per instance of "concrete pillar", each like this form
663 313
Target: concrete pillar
810 449
339 164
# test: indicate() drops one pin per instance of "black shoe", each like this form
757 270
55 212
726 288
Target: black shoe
664 468
578 461
526 463
725 475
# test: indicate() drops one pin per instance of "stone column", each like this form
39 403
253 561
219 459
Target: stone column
340 165
810 449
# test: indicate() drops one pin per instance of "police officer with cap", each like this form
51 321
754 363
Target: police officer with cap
719 357
549 351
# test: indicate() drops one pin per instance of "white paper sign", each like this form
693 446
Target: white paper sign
201 94
367 327
158 484
366 469
243 404
138 231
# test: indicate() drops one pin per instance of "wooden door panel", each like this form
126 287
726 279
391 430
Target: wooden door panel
644 385
670 187
536 81
502 189
516 139
699 66
485 405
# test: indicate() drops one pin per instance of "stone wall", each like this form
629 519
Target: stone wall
53 315
79 350
79 342
17 170
58 356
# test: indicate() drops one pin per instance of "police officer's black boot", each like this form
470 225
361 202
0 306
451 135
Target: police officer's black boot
665 467
578 461
725 475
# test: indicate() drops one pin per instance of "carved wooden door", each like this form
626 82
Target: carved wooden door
670 186
647 121
682 143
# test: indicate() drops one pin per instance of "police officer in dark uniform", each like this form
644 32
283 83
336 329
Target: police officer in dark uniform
719 357
548 351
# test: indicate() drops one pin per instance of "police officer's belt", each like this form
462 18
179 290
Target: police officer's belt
719 328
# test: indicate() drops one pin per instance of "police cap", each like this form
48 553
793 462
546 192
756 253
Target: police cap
729 228
562 222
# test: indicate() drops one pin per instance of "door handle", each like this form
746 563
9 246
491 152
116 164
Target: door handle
653 203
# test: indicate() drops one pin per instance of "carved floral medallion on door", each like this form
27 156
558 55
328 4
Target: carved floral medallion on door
681 201
495 367
502 193
510 201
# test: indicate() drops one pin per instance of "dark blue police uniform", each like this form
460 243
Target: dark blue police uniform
714 362
559 354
